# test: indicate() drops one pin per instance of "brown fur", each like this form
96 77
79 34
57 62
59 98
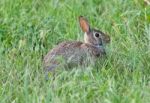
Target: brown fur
76 52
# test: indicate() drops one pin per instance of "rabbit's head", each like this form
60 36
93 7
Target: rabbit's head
93 36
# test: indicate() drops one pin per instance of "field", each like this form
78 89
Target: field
30 28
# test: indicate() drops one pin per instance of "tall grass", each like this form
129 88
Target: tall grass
30 28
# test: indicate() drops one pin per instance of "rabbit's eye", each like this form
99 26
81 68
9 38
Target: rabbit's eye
97 35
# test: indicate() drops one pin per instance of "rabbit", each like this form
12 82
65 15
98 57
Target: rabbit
74 53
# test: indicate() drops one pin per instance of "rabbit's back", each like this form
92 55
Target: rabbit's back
70 52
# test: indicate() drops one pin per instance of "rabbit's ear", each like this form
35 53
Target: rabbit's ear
84 24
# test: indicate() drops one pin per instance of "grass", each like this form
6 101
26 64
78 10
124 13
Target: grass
30 28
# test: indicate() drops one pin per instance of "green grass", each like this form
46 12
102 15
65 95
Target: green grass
30 28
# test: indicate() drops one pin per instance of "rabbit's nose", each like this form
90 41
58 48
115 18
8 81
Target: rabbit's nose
107 40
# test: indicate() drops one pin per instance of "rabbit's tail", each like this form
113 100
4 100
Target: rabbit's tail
50 70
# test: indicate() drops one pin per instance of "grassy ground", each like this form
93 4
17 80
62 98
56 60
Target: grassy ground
29 28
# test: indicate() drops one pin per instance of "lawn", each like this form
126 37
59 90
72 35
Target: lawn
30 28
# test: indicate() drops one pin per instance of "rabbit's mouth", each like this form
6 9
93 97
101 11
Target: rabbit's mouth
99 46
